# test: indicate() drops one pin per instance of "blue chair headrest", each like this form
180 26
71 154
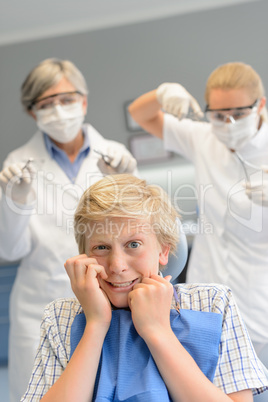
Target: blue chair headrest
177 262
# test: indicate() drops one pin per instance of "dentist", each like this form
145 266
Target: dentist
41 183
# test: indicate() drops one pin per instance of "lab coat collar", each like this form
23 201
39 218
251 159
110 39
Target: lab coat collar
44 162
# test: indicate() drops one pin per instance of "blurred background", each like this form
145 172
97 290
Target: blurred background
123 48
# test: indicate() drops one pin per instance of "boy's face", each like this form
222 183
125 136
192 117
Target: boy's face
128 250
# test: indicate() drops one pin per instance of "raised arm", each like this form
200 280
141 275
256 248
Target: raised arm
150 306
182 376
146 111
77 381
172 98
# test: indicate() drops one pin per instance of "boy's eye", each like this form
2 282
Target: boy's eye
133 244
102 247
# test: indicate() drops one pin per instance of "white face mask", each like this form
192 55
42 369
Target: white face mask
236 135
61 123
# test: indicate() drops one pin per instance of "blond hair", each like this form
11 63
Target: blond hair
237 75
126 196
46 74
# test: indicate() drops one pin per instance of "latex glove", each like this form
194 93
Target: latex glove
119 160
177 101
16 182
257 191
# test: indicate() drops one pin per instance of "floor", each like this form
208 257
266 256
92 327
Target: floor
3 384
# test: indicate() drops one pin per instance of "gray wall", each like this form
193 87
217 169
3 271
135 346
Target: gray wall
121 63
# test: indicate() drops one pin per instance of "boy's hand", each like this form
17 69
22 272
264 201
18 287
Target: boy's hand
150 303
83 273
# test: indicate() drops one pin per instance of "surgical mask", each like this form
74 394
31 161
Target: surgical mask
61 123
236 135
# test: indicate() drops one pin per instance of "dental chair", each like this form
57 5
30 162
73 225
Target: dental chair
177 262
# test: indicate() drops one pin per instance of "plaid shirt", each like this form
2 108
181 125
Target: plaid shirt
238 367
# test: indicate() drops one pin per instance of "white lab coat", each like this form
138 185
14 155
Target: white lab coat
42 237
232 244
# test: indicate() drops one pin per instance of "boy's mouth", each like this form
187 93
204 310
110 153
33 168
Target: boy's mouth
122 284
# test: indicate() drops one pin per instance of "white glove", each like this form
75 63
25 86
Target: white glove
16 182
257 191
177 101
121 160
118 160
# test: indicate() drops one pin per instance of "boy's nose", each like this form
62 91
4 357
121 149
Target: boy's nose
117 263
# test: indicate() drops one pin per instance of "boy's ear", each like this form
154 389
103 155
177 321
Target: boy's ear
163 255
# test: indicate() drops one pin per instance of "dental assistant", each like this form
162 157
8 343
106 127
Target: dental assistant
232 196
41 183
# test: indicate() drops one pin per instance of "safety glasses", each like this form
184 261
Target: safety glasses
229 114
64 98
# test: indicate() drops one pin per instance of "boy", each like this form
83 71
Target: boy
131 336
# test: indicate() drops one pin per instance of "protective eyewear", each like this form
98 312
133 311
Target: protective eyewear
64 98
231 114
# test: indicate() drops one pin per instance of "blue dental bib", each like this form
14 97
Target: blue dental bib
127 371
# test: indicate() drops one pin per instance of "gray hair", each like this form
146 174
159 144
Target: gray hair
46 74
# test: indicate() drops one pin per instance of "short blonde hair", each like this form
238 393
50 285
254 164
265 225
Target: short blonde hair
46 74
127 196
237 75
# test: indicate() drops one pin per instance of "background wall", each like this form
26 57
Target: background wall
121 63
